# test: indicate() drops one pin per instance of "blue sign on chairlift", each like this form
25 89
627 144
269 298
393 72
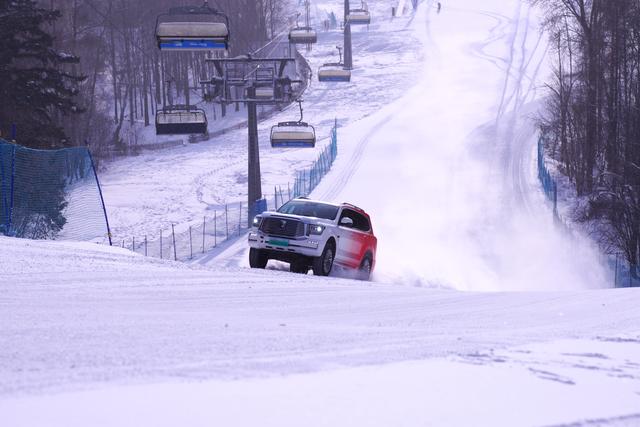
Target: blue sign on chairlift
292 143
341 79
192 44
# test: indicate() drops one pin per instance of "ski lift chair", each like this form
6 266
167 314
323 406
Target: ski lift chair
359 17
181 121
334 71
303 35
293 134
192 29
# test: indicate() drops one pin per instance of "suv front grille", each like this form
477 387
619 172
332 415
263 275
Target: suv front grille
282 227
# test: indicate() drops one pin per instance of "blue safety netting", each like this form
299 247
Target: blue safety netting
308 179
50 194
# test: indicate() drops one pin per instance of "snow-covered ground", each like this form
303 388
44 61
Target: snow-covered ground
97 336
441 157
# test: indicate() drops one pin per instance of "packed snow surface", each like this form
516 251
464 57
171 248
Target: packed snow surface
98 336
436 143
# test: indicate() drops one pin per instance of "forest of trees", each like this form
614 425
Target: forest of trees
102 63
593 116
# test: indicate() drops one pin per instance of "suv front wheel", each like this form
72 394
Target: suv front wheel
257 258
322 265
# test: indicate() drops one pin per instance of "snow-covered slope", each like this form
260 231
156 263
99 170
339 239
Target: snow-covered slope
447 172
97 336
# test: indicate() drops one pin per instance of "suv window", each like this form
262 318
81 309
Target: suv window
360 222
311 209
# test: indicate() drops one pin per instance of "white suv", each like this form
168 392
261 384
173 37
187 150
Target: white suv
314 235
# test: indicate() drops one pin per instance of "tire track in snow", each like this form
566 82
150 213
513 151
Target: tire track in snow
352 166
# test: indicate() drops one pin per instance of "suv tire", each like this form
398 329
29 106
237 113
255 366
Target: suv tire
322 265
364 271
257 258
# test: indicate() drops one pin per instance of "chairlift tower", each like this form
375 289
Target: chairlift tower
262 82
307 6
348 55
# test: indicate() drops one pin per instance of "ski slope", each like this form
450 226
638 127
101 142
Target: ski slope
447 172
98 336
456 204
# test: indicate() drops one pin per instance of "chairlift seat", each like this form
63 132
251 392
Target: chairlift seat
181 122
293 134
304 35
334 73
359 17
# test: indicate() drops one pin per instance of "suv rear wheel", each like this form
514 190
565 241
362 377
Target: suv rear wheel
322 265
257 258
364 272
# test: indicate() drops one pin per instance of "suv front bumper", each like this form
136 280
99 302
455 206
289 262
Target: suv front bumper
310 246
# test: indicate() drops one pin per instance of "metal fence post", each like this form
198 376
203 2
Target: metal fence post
133 244
204 228
226 219
215 229
615 277
190 244
145 245
104 209
175 253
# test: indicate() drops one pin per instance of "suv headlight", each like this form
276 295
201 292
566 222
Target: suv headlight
256 221
316 230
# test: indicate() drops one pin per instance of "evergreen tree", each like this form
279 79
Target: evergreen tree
34 87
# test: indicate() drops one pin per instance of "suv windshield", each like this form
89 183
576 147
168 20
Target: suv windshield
312 209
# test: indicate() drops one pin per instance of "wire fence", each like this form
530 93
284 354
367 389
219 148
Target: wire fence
623 276
50 194
307 180
188 241
549 185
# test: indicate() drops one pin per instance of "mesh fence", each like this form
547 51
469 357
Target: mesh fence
184 242
549 185
307 180
50 194
623 272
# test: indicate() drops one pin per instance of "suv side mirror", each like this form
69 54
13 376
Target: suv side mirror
346 222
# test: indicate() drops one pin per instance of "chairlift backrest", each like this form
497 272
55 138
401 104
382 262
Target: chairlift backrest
293 134
303 35
334 72
359 17
181 121
192 28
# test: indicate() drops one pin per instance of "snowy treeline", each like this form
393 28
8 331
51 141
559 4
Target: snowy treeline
593 115
125 77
